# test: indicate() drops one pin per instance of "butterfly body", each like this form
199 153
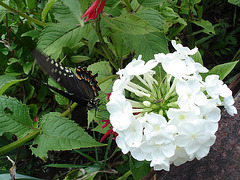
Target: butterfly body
81 88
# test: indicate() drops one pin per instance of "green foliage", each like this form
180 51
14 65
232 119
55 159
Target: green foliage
6 81
59 133
139 169
222 70
130 24
14 117
125 30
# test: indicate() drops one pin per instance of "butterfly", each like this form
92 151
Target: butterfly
81 88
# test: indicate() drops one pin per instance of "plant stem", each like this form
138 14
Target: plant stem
65 113
19 142
104 45
20 13
107 78
129 7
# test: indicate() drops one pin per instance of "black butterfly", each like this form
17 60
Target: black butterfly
81 88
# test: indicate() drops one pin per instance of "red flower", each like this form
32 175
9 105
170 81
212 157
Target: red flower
94 10
36 119
109 132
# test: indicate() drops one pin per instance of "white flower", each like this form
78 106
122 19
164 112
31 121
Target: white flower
212 115
216 88
160 164
172 64
159 137
190 96
204 148
180 157
194 136
120 112
121 143
179 116
133 134
157 129
228 104
167 117
185 51
138 67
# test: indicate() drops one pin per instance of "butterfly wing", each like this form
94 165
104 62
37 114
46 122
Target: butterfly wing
81 88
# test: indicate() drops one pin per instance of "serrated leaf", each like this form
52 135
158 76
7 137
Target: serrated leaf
62 13
59 133
222 70
66 33
76 9
152 16
6 81
148 44
14 117
130 24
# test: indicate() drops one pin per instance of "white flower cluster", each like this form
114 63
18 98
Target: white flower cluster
171 118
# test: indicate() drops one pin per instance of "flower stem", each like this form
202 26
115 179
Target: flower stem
20 13
65 113
19 142
171 89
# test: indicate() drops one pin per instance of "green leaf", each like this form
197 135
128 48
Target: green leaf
6 81
67 33
31 33
150 2
31 4
171 17
104 71
139 168
206 25
76 9
14 69
62 13
148 44
46 9
130 24
235 2
59 133
153 17
78 58
27 67
197 57
14 117
59 98
222 70
57 36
